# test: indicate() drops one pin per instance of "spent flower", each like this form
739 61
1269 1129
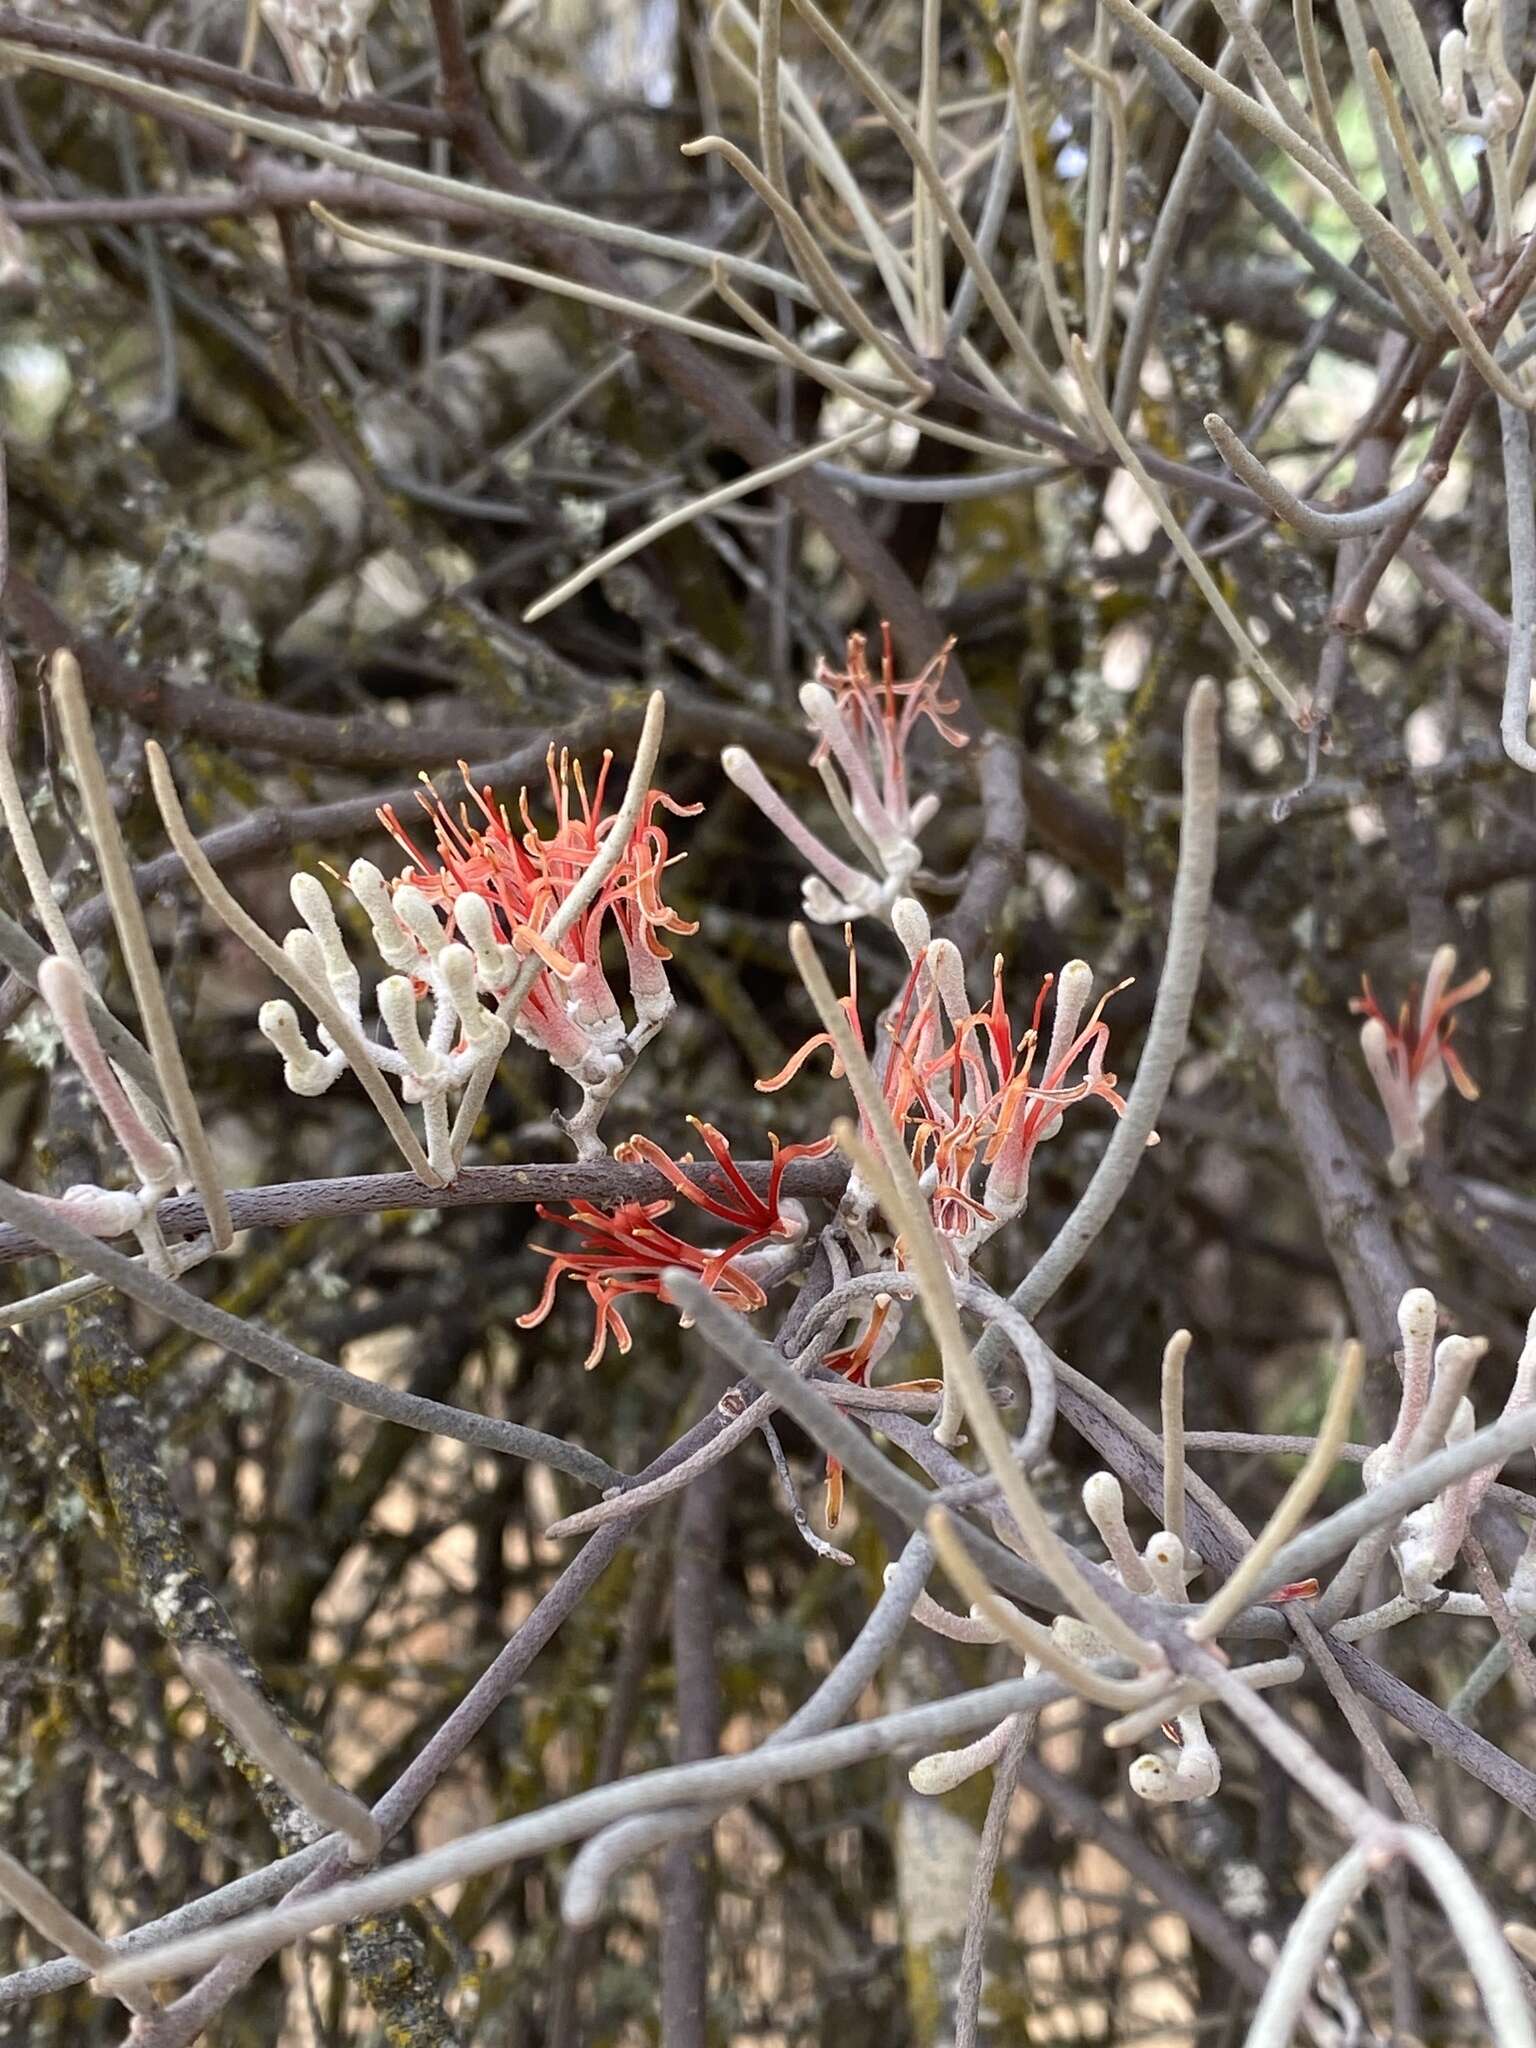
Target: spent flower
1411 1060
864 726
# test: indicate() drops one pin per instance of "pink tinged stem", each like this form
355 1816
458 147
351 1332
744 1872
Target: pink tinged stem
63 989
751 781
99 1212
589 1001
821 708
648 983
545 1026
1460 1502
1396 1099
1416 1321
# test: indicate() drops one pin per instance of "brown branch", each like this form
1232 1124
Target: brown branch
604 1181
1370 1262
371 111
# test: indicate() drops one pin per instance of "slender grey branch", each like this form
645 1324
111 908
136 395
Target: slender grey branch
287 1361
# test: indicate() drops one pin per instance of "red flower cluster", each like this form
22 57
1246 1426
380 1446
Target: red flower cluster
626 1250
961 1089
524 878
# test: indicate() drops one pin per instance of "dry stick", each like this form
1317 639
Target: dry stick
1323 527
641 770
1517 1650
830 293
726 494
988 1854
303 1777
1364 1730
1416 67
1028 1637
29 1897
1175 1351
1155 266
1520 512
1013 333
1316 75
322 1861
1398 1496
1306 1948
989 228
1035 1358
1108 93
649 311
1402 142
192 2012
733 1778
1131 1448
907 1212
847 386
728 1335
276 1355
1240 174
820 146
367 111
1268 76
646 1495
138 953
348 1039
308 142
1088 1821
596 1864
1019 70
770 120
604 1181
1253 659
1482 1942
1309 1482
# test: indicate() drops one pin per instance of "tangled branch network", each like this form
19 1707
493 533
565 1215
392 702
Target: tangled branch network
1234 597
502 932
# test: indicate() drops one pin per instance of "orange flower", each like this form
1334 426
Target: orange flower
960 1087
625 1250
523 879
1411 1060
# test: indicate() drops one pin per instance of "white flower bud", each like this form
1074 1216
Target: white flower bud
456 971
313 903
473 919
397 1007
395 948
305 1071
415 912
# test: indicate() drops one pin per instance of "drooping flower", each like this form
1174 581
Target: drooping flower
962 1086
1411 1060
627 1250
864 728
